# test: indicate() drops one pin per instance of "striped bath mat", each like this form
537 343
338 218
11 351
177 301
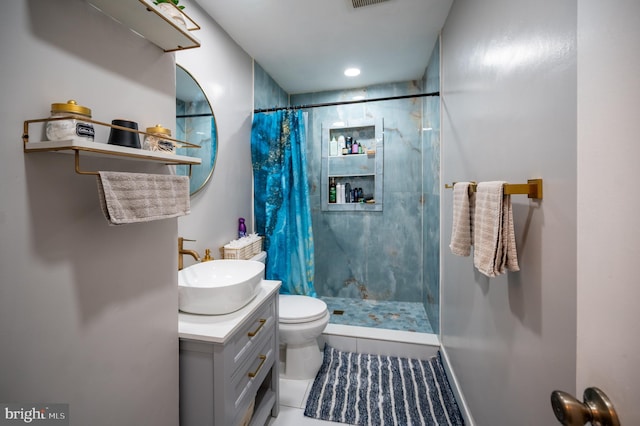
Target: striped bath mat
375 390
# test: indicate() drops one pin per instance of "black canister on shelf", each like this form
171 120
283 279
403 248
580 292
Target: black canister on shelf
124 137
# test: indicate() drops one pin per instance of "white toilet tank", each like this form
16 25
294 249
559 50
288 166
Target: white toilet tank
262 258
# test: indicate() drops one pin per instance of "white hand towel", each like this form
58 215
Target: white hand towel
140 197
462 229
494 235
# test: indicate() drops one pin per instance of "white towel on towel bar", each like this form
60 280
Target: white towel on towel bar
462 228
494 236
141 197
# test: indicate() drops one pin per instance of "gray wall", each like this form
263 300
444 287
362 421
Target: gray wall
225 73
88 312
509 113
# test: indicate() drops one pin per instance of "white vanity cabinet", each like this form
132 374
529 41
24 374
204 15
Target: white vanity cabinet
229 363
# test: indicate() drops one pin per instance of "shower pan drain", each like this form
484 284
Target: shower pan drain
362 3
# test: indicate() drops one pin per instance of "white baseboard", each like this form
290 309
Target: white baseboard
382 334
457 390
380 342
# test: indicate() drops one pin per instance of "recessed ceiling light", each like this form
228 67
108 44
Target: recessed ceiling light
358 97
352 72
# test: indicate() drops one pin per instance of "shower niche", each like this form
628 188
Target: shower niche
352 166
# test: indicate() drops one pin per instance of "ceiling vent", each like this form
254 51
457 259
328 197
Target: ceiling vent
362 3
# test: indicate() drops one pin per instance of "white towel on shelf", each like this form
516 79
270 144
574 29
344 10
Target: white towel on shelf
141 197
462 229
494 236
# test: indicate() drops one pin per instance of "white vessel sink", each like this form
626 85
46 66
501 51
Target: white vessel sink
219 287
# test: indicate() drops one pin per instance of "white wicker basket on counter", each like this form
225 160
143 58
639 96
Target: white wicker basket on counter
245 251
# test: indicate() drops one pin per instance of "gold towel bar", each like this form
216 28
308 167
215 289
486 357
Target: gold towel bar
533 188
82 172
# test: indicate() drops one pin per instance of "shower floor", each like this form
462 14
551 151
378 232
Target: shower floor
406 316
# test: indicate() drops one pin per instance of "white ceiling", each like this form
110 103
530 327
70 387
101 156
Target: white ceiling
306 45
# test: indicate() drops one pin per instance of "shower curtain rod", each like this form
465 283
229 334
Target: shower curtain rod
194 115
360 101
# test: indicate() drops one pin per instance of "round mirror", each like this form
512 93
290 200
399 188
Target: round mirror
195 124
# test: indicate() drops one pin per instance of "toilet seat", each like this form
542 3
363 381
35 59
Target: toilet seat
298 309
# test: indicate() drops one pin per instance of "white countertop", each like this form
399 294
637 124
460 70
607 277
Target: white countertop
218 328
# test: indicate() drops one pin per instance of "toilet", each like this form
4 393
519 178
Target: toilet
301 321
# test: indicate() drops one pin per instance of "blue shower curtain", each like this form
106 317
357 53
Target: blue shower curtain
281 193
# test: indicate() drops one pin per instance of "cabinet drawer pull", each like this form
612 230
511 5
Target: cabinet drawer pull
255 373
253 333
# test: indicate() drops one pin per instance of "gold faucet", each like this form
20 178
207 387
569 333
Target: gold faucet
182 252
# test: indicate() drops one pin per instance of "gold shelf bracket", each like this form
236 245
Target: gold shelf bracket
78 171
83 172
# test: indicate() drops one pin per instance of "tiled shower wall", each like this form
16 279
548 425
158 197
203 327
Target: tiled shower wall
266 92
373 255
388 255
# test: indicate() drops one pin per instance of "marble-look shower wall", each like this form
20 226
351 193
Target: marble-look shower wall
373 255
431 189
266 92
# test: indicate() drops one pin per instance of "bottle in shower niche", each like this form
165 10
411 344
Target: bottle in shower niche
342 145
332 191
339 193
333 147
242 228
354 147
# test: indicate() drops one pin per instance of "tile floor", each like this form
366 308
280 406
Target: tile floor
390 315
293 396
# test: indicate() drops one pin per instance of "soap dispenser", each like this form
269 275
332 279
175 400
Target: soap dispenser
207 256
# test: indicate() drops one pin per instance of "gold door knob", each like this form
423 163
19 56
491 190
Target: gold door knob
596 408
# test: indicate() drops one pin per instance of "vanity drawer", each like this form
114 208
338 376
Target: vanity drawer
246 381
254 332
